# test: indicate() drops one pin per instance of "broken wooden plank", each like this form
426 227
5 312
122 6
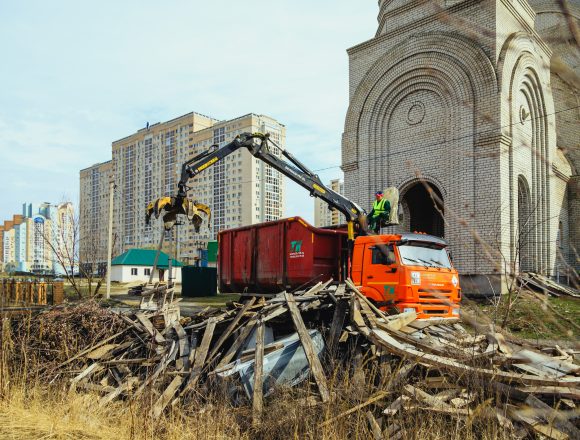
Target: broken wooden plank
153 332
183 343
318 287
393 432
314 362
455 412
396 405
424 397
202 350
365 300
553 416
448 394
499 340
357 318
566 392
94 347
167 395
124 387
247 355
258 395
161 366
230 328
459 368
544 372
337 325
373 399
269 313
546 430
100 352
200 355
375 428
139 361
400 374
238 343
401 320
544 362
91 369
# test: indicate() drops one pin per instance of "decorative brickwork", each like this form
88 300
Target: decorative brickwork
451 103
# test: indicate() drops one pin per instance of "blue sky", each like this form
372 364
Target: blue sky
75 76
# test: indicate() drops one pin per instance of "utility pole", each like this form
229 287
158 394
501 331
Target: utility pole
174 251
177 240
110 238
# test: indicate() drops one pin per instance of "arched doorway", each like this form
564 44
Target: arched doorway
423 203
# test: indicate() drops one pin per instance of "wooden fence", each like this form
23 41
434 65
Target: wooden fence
21 293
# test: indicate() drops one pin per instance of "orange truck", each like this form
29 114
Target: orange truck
398 272
411 271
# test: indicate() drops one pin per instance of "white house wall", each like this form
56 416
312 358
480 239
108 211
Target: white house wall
122 274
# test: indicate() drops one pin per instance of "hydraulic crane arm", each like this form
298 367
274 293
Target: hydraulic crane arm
257 145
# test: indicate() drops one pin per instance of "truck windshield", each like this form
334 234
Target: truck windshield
417 255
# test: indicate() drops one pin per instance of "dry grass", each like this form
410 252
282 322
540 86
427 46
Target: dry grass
33 409
37 405
38 411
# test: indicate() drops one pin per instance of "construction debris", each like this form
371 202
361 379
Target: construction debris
262 345
542 283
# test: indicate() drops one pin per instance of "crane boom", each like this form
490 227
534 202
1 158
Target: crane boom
257 145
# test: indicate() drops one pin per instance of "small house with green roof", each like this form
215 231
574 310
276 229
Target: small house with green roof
137 265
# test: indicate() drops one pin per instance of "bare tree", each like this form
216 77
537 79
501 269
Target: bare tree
82 263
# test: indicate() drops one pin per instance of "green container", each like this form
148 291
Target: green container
198 281
212 250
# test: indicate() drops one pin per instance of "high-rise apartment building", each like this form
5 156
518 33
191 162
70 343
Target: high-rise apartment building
94 211
240 189
8 254
39 240
146 165
323 214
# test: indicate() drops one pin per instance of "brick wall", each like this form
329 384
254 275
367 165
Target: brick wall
457 94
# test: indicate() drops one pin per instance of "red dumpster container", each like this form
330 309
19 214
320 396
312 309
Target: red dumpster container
280 255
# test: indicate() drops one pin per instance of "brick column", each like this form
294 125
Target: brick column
574 216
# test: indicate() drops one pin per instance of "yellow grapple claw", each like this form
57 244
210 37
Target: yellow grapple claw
173 207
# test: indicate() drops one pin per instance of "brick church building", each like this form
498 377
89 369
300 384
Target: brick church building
471 109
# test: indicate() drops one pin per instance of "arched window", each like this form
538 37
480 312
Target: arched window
525 227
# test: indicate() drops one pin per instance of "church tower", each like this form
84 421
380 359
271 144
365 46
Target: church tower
451 102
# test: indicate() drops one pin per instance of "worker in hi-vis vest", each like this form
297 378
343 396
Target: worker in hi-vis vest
380 212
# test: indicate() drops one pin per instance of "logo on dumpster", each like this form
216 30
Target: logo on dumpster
296 249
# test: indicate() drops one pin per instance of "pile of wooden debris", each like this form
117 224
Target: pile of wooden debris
543 284
260 345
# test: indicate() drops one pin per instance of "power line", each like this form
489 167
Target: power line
423 147
411 149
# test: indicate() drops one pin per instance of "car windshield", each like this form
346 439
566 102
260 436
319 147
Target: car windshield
418 255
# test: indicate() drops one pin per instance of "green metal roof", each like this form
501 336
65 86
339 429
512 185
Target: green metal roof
212 249
144 257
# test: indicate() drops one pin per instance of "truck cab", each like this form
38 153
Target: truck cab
406 272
